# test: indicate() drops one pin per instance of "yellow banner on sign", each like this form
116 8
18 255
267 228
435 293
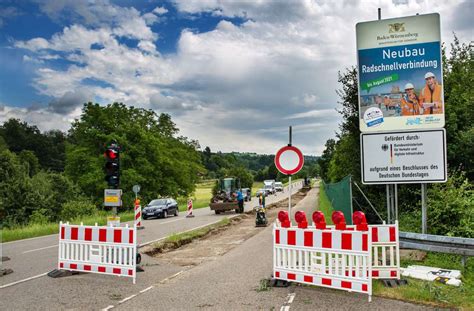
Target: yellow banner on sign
112 199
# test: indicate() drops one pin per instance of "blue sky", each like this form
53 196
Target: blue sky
233 74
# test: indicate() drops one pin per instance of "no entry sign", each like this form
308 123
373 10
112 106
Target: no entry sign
289 160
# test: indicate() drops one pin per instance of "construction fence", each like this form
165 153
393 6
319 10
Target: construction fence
340 197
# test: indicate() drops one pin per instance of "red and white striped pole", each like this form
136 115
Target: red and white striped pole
190 208
138 214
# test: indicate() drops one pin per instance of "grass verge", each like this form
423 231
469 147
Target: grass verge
37 230
179 239
201 197
434 293
324 204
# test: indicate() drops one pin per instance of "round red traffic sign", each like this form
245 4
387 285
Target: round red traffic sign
289 160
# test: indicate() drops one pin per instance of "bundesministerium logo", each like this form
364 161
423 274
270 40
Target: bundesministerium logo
396 27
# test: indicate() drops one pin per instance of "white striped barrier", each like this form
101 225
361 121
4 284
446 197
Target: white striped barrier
385 250
190 208
98 249
341 257
138 215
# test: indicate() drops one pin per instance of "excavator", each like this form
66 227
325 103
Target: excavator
225 196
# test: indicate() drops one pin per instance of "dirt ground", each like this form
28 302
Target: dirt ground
222 240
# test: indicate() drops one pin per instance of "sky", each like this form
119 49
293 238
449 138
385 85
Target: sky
232 74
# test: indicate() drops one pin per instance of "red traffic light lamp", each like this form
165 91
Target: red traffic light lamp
111 154
112 165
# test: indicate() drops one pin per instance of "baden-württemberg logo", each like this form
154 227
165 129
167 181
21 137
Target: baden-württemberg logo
396 27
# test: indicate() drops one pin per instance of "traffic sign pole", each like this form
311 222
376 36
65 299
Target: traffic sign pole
289 179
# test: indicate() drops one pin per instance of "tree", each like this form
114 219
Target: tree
152 156
49 147
245 177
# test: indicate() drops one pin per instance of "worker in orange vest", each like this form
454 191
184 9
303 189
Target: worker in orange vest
410 104
430 96
386 102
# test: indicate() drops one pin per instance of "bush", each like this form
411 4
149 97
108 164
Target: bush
77 208
451 207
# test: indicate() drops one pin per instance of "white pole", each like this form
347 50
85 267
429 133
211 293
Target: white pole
289 200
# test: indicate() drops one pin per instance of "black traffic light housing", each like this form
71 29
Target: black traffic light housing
112 165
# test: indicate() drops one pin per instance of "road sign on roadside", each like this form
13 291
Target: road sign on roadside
404 157
289 160
400 74
136 189
113 197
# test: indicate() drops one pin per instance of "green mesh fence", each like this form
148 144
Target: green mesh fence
340 196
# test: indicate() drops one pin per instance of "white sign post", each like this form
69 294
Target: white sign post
404 157
289 160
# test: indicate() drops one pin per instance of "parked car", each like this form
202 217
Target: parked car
278 186
247 193
160 208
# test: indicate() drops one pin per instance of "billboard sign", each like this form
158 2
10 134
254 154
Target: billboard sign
400 74
404 157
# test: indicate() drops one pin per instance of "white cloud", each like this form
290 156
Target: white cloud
237 87
160 10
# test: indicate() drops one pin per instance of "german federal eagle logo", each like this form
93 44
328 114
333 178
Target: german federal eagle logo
397 27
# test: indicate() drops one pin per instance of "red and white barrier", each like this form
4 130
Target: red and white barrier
190 208
98 249
385 250
341 257
338 259
138 215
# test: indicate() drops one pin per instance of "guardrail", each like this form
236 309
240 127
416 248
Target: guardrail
437 243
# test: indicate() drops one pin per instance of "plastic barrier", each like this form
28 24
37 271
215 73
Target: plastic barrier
190 208
385 248
98 249
333 256
338 259
138 215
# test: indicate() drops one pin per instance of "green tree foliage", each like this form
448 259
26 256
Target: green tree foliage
152 156
34 198
244 175
451 207
459 98
48 147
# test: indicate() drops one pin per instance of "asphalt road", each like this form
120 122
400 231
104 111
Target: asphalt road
31 259
232 282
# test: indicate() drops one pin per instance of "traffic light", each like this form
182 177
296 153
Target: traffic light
112 166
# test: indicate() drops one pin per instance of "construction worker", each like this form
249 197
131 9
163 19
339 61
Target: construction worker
410 104
378 101
386 102
261 200
430 96
240 199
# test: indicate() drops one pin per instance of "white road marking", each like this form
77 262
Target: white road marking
39 249
24 280
171 277
286 305
167 222
143 290
146 289
29 239
126 299
292 297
